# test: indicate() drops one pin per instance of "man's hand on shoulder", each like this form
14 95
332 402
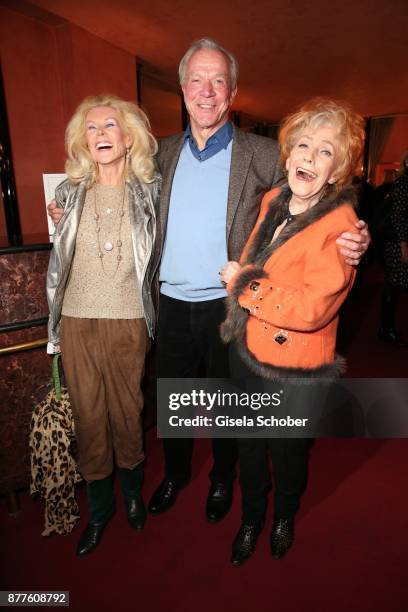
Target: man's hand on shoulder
354 245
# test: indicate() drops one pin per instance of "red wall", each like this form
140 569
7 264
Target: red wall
89 65
163 107
48 68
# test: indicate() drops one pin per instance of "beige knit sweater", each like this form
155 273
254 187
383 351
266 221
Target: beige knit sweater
111 291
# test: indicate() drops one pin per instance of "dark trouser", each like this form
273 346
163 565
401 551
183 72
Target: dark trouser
189 346
289 465
389 301
289 462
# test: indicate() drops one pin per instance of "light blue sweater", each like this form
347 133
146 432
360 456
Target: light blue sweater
195 247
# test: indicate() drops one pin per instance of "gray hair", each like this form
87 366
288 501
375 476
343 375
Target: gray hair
209 43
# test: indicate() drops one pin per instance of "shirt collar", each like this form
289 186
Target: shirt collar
223 136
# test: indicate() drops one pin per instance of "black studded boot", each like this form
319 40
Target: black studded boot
282 536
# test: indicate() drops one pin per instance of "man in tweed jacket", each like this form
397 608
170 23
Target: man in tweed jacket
214 176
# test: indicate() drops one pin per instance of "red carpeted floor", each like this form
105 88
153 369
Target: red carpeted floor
351 540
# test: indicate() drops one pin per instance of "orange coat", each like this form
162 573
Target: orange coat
284 302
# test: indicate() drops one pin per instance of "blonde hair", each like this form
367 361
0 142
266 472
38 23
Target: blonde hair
320 112
132 120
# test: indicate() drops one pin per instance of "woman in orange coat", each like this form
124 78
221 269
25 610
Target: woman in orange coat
284 298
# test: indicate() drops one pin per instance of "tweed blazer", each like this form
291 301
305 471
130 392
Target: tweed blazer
254 169
283 304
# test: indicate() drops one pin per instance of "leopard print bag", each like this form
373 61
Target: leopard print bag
52 450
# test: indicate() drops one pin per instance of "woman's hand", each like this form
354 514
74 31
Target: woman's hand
228 271
355 245
53 349
55 212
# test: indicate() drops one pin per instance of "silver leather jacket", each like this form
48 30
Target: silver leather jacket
142 198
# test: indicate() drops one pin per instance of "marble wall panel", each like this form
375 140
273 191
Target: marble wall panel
24 376
22 282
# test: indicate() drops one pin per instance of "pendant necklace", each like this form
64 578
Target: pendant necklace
109 244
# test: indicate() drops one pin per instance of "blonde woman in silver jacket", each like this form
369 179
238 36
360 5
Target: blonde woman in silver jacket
99 294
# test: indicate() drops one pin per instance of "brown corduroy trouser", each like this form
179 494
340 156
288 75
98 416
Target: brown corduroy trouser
103 362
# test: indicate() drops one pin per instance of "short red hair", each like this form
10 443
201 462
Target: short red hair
320 112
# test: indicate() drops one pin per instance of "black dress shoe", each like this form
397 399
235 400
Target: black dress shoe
165 496
90 538
244 544
136 512
219 501
282 536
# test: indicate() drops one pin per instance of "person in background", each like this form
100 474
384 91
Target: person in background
284 299
378 217
99 295
395 255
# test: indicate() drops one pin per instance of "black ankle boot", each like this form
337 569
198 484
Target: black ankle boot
282 536
243 547
90 538
101 501
131 482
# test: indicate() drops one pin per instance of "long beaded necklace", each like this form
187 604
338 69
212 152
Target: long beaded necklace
109 244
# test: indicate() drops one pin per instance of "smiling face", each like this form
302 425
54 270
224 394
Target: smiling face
312 163
207 90
106 140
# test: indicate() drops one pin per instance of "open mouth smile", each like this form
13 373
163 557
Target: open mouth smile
103 145
305 175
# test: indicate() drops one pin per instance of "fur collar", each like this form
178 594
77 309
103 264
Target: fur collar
261 248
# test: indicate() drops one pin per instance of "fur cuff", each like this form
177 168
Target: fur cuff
234 326
271 372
